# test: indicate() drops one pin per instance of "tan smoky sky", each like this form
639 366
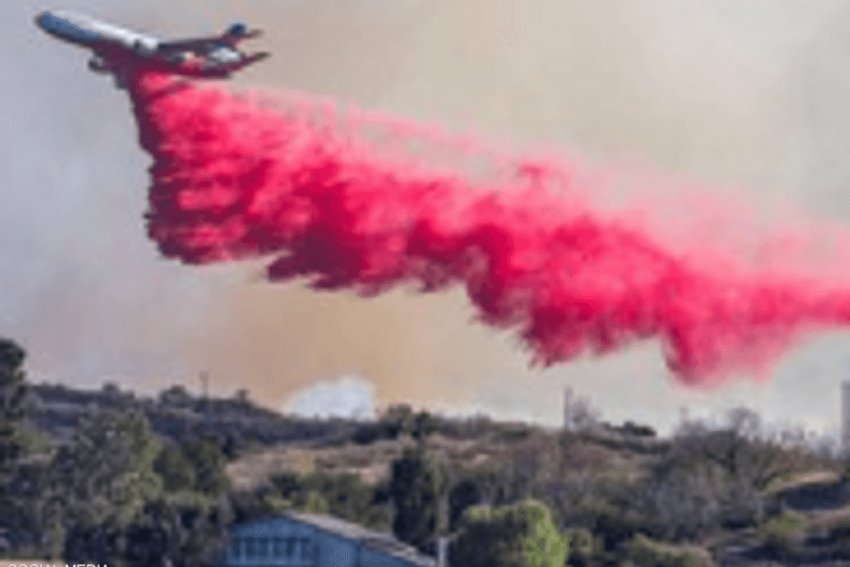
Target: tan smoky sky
745 94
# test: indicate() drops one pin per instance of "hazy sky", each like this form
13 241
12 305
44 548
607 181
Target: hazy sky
748 94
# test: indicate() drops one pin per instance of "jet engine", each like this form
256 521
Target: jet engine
98 65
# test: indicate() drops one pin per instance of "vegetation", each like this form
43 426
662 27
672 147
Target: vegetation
112 477
416 488
343 495
29 519
13 399
521 535
783 535
641 551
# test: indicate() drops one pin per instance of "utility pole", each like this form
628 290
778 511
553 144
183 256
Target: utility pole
205 391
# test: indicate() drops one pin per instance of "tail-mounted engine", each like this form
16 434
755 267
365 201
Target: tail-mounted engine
98 65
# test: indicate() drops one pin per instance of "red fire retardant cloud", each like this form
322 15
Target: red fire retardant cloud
347 201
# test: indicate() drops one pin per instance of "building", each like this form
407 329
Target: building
311 540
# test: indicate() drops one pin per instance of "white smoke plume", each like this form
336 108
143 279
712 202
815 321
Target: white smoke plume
348 397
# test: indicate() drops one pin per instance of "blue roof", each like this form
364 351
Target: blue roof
369 539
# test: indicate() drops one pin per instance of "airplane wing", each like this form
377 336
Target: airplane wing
230 37
195 45
217 56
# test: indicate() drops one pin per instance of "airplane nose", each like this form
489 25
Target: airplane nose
42 20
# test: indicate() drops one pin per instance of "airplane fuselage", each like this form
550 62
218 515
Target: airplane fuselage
115 49
88 32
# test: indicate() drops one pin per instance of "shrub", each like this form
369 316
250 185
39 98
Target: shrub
522 535
783 535
583 547
645 552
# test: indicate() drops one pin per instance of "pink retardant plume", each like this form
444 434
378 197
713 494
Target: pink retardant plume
347 201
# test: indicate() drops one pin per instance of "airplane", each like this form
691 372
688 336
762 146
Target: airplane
114 48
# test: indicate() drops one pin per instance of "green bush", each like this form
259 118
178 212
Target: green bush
783 535
522 535
645 552
583 547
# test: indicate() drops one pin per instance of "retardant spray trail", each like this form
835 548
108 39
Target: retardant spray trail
329 197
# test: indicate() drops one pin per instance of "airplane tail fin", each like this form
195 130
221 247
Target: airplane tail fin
239 31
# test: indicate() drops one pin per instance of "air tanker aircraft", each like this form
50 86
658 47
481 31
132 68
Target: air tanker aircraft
115 48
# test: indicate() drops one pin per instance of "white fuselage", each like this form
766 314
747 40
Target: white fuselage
89 32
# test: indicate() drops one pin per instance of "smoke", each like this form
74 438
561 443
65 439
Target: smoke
724 91
349 200
346 397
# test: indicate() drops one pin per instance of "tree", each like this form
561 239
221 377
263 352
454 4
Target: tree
209 462
29 520
32 515
107 478
175 470
424 424
416 486
685 499
742 447
183 530
398 420
522 535
13 408
463 495
747 458
176 396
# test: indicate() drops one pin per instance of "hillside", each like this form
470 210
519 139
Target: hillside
175 413
731 493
